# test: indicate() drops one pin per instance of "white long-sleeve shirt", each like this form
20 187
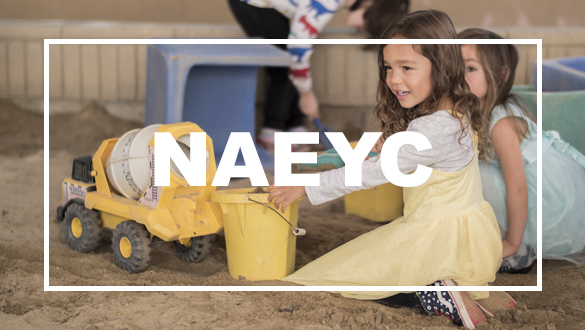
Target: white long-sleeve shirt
308 18
447 154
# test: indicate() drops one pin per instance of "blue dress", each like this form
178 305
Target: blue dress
563 195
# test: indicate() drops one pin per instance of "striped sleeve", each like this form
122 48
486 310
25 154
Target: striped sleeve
310 19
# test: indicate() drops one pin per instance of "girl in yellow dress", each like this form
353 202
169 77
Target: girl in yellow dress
448 233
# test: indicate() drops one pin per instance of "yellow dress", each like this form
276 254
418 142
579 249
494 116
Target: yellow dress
448 231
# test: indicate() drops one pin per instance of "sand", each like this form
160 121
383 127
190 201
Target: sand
25 305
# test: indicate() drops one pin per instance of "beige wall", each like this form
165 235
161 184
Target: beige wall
486 13
115 75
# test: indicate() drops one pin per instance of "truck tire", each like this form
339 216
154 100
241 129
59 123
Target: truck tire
131 245
197 251
82 228
60 213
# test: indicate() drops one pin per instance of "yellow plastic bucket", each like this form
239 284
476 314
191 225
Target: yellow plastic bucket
260 244
381 204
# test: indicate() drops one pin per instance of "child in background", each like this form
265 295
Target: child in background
290 92
508 167
448 233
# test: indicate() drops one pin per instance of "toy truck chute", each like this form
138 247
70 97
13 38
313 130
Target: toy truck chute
114 190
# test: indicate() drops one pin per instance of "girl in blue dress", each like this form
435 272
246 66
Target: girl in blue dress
508 171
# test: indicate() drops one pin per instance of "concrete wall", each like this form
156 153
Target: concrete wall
345 76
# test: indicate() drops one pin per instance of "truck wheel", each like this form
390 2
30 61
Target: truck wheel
197 251
60 215
131 245
82 228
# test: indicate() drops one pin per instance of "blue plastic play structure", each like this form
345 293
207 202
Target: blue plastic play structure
213 86
562 75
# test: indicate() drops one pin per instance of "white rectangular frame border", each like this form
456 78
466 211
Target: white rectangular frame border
48 42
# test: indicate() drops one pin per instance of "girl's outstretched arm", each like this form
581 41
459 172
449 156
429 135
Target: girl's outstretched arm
506 142
285 195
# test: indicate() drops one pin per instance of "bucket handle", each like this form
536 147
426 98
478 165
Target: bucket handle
296 231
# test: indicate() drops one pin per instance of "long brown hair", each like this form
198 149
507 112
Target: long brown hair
447 75
499 64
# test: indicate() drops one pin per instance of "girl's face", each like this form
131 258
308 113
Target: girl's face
408 74
474 73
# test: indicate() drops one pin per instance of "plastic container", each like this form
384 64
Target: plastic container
260 244
128 166
380 204
561 111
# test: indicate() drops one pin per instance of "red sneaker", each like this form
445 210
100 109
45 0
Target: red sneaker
265 143
456 305
300 147
266 138
269 145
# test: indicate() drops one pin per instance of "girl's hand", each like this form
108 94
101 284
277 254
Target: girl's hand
309 105
508 248
285 195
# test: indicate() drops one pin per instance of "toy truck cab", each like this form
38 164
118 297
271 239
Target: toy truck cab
82 168
76 187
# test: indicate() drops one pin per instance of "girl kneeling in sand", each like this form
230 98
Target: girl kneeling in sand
448 233
508 167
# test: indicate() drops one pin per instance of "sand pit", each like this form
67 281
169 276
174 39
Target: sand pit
25 305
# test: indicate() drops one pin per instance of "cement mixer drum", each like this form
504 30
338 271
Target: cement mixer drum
128 166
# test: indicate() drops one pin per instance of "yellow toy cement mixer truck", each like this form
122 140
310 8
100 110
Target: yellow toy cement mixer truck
114 190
